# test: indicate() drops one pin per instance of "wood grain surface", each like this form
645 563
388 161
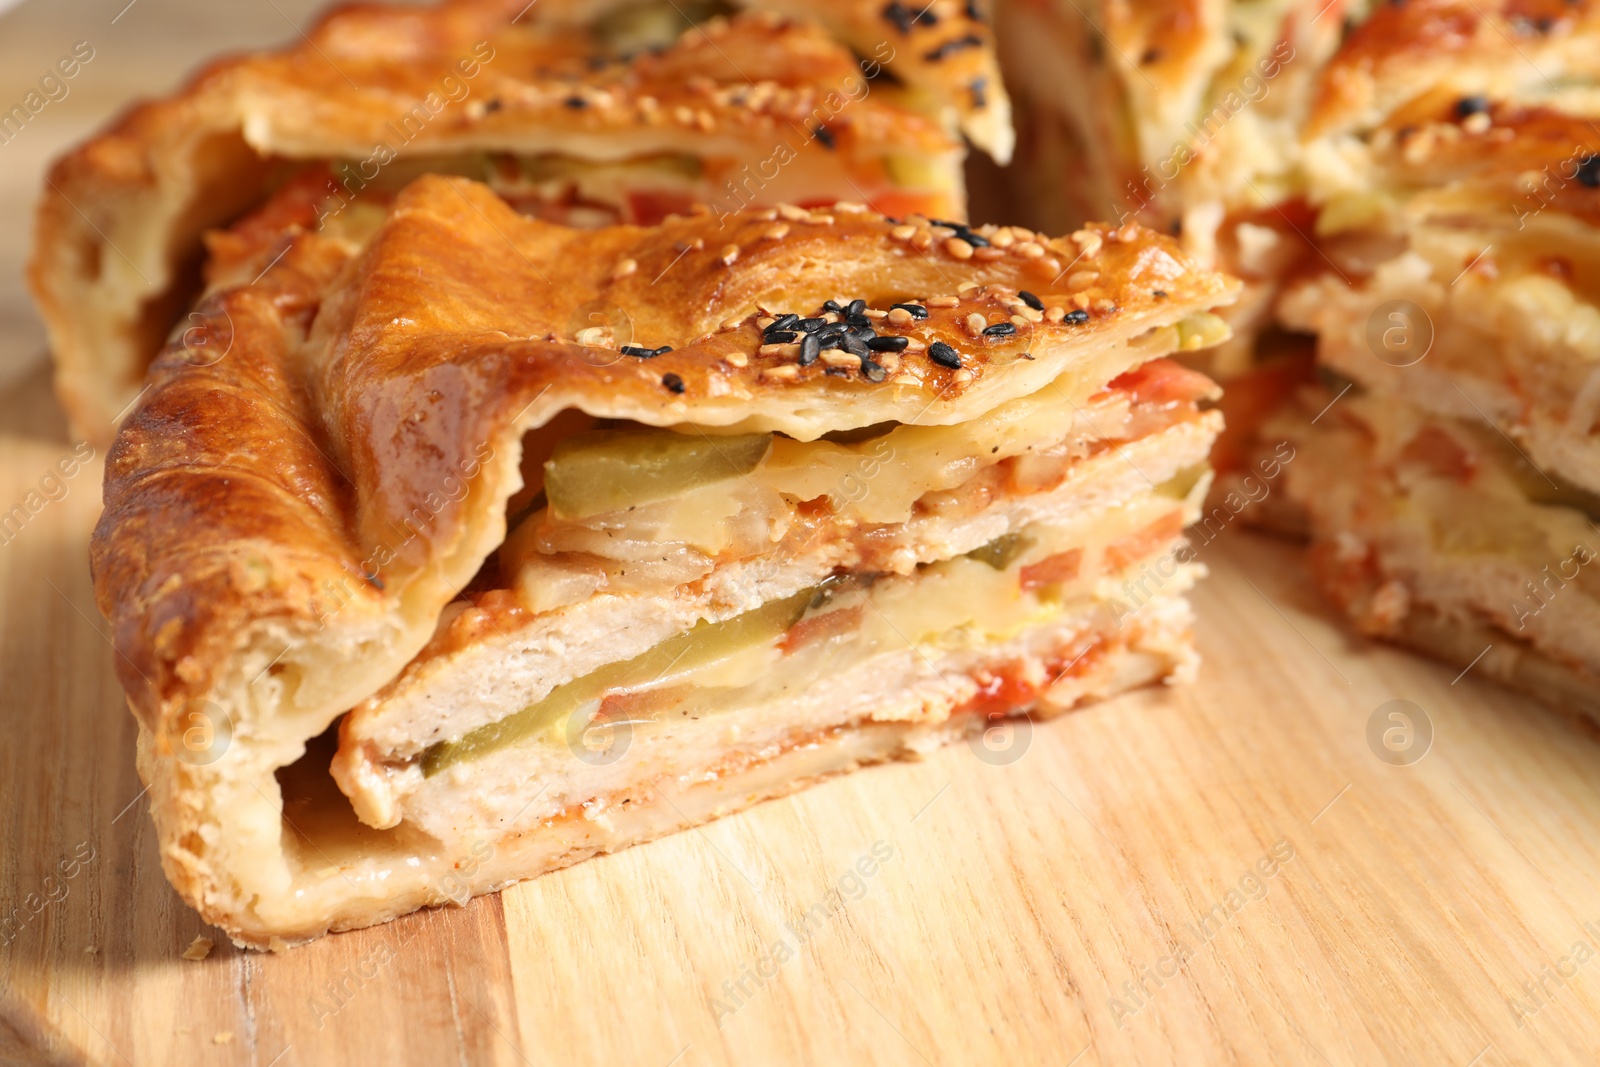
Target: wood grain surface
1238 872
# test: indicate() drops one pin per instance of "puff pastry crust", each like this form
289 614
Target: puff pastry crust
288 516
120 223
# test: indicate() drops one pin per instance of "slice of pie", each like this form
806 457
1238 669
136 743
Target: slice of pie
427 585
586 113
1451 472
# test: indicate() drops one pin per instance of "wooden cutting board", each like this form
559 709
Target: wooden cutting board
1262 868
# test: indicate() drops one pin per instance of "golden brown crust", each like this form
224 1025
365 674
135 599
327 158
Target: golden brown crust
120 222
1405 50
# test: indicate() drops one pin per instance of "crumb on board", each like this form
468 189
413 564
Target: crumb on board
198 949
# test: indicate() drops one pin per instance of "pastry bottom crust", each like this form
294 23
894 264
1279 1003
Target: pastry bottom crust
344 875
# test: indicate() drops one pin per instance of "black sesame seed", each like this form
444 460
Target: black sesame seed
944 355
826 341
900 15
783 322
833 306
1468 106
1032 301
810 325
854 345
858 322
1588 172
672 382
836 372
638 351
576 103
855 307
663 350
873 372
809 349
824 136
950 48
1000 329
1077 317
916 311
1159 294
973 239
493 105
832 329
926 17
888 344
779 337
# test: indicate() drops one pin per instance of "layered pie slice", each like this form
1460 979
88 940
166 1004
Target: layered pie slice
426 586
589 114
1454 482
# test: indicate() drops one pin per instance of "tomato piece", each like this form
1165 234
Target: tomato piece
1164 381
1440 454
647 207
1146 542
1052 570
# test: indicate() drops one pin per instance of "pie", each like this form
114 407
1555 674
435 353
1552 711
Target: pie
430 584
1450 468
587 113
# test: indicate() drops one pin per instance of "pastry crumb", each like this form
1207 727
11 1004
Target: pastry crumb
198 949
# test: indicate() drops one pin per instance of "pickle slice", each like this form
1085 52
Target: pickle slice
607 470
705 644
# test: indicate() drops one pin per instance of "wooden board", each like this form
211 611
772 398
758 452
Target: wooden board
1223 874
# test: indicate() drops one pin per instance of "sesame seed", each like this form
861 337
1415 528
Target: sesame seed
900 316
810 325
989 255
903 232
792 213
1082 279
591 335
999 330
922 241
958 248
638 352
1080 300
941 301
729 254
1077 317
1054 313
777 232
1105 306
623 269
819 220
783 322
672 382
1588 172
944 355
809 349
914 345
975 324
962 375
875 313
732 323
905 378
1027 317
837 358
781 348
887 344
576 103
786 372
912 311
1478 123
737 359
950 48
1468 106
824 137
873 372
1028 298
1028 249
1088 242
780 337
1050 265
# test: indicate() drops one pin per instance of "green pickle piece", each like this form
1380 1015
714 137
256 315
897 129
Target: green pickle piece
705 644
607 470
1002 551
